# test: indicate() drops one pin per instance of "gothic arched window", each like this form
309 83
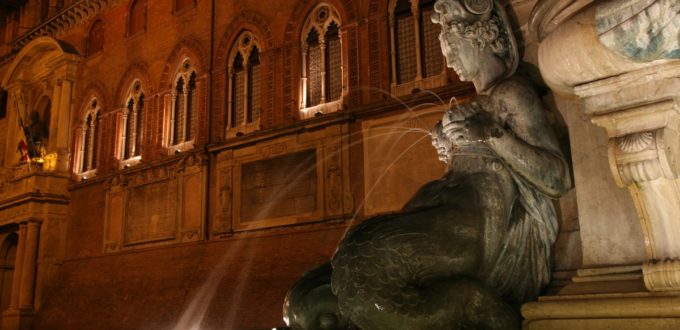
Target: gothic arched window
183 118
86 161
244 85
322 83
95 39
417 60
137 17
132 125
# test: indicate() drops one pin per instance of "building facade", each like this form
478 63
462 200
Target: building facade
180 163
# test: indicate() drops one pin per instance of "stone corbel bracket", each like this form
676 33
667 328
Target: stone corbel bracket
640 113
647 152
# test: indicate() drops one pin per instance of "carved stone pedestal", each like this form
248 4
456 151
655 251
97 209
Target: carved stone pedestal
627 81
624 311
605 298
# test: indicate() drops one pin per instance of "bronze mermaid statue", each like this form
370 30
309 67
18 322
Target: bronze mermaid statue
468 249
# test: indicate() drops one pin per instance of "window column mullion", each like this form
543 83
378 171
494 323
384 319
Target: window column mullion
185 111
230 98
322 47
246 90
133 130
90 142
126 149
415 9
173 111
305 52
83 138
393 49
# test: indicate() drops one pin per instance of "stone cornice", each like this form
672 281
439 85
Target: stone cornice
69 17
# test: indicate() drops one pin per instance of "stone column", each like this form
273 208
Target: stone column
29 267
54 124
18 266
63 117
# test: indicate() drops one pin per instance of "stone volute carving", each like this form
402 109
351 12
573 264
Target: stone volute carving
468 249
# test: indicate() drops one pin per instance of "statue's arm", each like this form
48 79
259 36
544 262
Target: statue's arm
527 142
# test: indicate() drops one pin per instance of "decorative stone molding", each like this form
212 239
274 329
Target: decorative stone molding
644 156
548 14
71 16
142 207
662 275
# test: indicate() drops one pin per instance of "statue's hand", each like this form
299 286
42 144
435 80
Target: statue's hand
476 129
461 112
467 124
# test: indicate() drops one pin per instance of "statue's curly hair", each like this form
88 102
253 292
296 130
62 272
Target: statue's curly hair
484 33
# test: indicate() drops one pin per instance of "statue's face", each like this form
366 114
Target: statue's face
461 55
441 147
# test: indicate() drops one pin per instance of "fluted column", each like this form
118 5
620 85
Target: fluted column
26 296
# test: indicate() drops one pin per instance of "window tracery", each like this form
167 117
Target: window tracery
183 114
88 144
417 61
245 85
322 82
132 126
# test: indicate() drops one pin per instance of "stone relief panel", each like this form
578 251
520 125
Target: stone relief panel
296 179
160 205
150 213
192 182
279 187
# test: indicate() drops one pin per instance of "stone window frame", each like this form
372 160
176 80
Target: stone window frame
420 82
88 50
130 138
88 142
144 5
176 137
245 44
320 19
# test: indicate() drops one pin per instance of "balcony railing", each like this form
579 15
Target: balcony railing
69 17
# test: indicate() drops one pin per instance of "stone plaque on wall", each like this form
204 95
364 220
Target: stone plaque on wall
151 213
279 187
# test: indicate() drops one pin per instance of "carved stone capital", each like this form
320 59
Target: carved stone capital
644 156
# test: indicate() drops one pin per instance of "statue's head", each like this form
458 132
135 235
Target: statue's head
476 40
440 142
